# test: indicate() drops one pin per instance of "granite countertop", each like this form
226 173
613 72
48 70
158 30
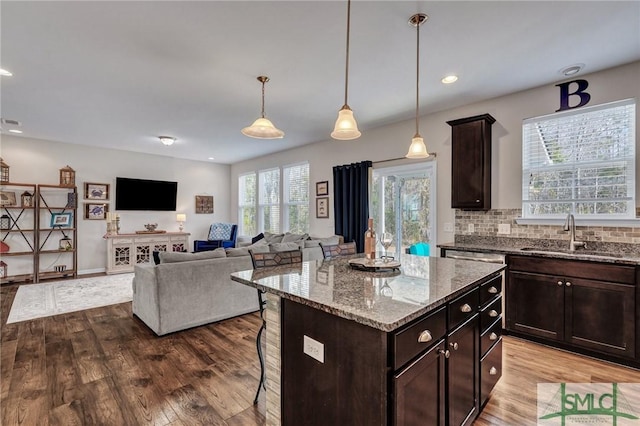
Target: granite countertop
382 300
618 253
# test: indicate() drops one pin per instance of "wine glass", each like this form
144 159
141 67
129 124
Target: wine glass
386 239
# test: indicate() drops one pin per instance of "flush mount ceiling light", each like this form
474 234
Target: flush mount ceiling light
167 140
263 128
346 127
450 79
572 70
417 148
5 73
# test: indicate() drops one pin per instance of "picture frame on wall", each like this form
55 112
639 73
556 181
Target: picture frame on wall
95 211
204 204
96 191
322 188
322 207
61 220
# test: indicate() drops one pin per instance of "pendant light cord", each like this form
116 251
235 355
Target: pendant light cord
263 98
417 75
346 72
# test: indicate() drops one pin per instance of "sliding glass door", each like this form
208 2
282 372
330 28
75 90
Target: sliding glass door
403 203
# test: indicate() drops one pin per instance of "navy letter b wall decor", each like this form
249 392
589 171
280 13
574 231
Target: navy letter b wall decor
580 91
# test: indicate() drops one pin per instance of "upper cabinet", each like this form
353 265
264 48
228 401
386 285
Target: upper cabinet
471 162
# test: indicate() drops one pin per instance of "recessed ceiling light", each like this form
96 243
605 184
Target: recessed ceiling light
211 158
572 69
15 131
450 79
167 140
5 73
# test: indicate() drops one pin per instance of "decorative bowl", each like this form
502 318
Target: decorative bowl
151 226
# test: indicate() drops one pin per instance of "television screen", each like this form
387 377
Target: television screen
143 194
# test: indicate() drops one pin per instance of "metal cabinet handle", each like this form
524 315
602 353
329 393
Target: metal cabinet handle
493 313
477 201
568 284
425 337
493 336
560 283
492 290
454 345
446 353
493 371
465 308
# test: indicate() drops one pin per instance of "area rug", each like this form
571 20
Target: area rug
59 297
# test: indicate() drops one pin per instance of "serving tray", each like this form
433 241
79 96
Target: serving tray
375 265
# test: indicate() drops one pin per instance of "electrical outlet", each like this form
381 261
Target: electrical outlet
471 227
504 228
448 227
313 348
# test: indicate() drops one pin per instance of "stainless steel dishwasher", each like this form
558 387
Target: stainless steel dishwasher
453 253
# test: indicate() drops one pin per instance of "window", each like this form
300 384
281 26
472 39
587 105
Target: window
581 162
260 203
296 198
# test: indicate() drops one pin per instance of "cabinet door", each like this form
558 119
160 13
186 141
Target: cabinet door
467 155
462 373
535 305
418 390
600 316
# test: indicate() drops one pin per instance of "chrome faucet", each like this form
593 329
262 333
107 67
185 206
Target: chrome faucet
570 225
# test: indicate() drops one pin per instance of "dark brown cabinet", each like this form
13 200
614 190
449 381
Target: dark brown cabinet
462 373
578 304
471 162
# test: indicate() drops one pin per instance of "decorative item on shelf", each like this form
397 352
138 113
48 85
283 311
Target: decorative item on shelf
66 243
96 191
3 269
204 204
150 226
26 199
4 172
417 149
113 222
60 268
72 200
60 220
346 127
67 177
263 128
5 222
4 247
7 198
181 218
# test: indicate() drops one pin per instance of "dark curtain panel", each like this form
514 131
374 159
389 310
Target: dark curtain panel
351 201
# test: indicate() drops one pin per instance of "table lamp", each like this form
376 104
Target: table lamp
181 219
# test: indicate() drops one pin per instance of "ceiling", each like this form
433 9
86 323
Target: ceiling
118 74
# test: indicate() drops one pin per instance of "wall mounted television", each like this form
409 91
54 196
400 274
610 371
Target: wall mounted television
144 194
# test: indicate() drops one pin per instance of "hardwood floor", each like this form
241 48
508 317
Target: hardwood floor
105 367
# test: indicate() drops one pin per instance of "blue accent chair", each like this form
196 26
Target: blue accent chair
220 235
420 249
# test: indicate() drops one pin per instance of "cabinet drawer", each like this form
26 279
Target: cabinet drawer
463 308
490 371
122 240
490 336
490 289
490 314
407 342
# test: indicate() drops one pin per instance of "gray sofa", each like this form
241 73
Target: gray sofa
190 289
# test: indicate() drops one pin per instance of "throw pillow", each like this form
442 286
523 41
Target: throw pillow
257 238
273 238
288 237
174 257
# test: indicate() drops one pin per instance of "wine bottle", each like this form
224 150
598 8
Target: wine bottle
370 241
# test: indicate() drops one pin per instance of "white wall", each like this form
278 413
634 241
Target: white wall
393 141
38 161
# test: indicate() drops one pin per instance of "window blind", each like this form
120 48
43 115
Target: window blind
269 200
296 198
580 161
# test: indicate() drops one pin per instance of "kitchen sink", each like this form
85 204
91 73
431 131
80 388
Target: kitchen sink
576 252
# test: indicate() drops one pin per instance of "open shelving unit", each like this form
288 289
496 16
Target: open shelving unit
20 235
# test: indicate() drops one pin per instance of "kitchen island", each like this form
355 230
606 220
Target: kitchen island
420 345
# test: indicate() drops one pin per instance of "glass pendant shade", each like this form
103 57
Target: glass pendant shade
263 128
346 127
417 148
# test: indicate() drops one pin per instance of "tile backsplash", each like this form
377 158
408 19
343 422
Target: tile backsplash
485 224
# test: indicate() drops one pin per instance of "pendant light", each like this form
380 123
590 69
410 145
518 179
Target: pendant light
417 148
263 128
346 127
